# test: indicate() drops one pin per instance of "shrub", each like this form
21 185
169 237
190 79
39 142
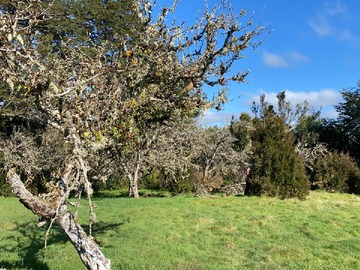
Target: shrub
182 186
178 183
113 182
277 169
336 173
151 180
5 189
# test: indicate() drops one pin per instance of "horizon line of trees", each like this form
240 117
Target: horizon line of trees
289 151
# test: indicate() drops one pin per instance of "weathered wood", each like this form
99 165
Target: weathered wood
86 247
88 250
37 205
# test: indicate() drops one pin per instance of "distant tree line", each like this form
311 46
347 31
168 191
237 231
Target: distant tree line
281 150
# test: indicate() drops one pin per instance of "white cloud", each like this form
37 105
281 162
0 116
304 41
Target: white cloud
320 98
324 99
285 60
346 35
211 118
274 60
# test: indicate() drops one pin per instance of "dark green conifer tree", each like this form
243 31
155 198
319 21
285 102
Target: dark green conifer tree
277 169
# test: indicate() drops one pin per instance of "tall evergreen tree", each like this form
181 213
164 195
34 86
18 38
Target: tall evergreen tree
349 120
277 170
241 129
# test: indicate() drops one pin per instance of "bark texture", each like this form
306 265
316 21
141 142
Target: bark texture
88 250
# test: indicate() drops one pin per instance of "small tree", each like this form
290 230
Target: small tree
216 158
173 153
168 67
308 144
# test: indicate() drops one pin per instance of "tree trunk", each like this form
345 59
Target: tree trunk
88 250
201 187
133 186
133 177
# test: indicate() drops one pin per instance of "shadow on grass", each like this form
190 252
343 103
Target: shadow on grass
27 241
109 194
100 228
112 194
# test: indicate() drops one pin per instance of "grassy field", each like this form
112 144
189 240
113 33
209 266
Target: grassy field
182 232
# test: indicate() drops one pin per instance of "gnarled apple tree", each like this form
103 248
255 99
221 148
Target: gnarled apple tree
107 91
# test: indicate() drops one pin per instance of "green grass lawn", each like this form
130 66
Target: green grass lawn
182 232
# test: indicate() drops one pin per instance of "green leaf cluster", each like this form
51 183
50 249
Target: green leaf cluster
88 22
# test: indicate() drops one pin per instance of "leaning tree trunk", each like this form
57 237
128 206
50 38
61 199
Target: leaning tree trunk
88 250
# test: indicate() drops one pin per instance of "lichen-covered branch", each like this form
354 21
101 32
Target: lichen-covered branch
86 247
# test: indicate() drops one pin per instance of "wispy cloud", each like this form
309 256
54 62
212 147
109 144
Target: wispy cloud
329 22
297 57
274 60
347 35
284 60
333 9
322 26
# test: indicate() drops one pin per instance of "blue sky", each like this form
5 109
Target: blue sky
313 53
